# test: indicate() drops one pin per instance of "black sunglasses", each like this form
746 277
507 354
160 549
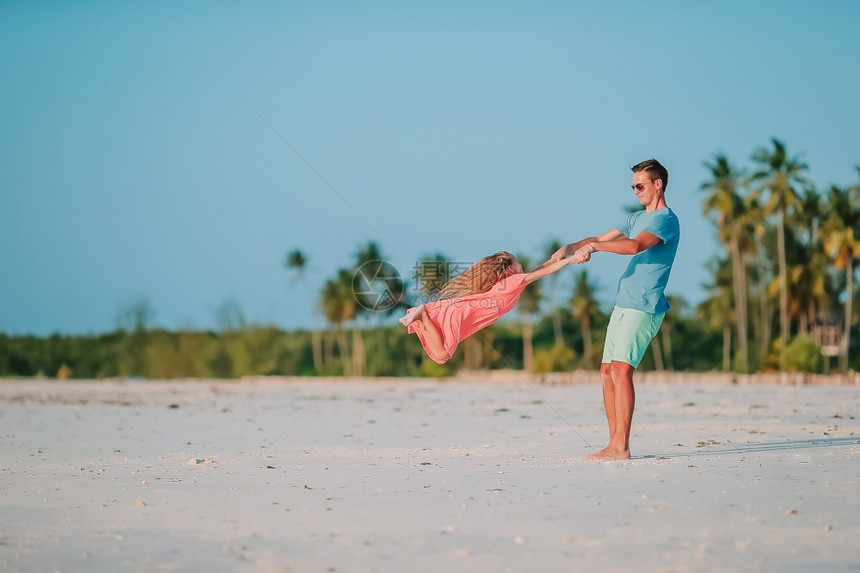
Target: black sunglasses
639 186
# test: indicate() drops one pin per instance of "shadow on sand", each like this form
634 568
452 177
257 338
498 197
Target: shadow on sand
761 447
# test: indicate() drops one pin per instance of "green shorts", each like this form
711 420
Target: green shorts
628 335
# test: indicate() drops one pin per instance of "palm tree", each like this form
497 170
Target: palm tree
726 205
229 316
528 305
135 317
338 305
297 262
678 305
808 288
842 241
779 175
376 287
585 310
368 260
369 253
809 275
716 311
755 218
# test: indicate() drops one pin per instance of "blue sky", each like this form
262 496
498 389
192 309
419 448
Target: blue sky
145 146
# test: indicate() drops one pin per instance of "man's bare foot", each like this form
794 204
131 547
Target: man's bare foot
608 453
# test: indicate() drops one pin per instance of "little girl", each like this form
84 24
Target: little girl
473 300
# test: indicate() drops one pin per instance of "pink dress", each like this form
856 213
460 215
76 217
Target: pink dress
458 318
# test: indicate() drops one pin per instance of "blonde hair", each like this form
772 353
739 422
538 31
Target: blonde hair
480 277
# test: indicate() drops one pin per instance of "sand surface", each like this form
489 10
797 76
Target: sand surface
400 475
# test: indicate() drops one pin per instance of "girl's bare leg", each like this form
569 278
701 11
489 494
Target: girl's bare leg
432 336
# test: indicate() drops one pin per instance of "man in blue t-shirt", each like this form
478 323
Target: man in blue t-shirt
652 237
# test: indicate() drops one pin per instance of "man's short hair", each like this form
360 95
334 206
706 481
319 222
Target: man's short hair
654 169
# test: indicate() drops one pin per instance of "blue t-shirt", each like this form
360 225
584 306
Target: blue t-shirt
642 285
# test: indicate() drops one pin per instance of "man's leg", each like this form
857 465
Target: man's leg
625 400
608 397
619 399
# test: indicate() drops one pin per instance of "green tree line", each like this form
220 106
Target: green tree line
783 291
780 297
259 350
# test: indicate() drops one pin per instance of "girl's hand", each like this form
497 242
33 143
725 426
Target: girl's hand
583 255
558 255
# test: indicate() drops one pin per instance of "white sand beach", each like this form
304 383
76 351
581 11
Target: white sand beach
417 475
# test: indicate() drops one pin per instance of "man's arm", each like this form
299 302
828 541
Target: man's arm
571 248
619 246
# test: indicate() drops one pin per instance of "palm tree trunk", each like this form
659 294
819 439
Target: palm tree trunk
745 308
329 348
556 311
478 355
727 348
587 344
528 347
357 353
667 346
783 290
802 323
740 305
757 334
846 336
811 318
316 349
556 327
657 350
344 351
764 311
471 349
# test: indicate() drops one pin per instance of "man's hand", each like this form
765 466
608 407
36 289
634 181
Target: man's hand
583 254
559 254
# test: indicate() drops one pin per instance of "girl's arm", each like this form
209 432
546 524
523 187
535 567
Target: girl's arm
547 268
